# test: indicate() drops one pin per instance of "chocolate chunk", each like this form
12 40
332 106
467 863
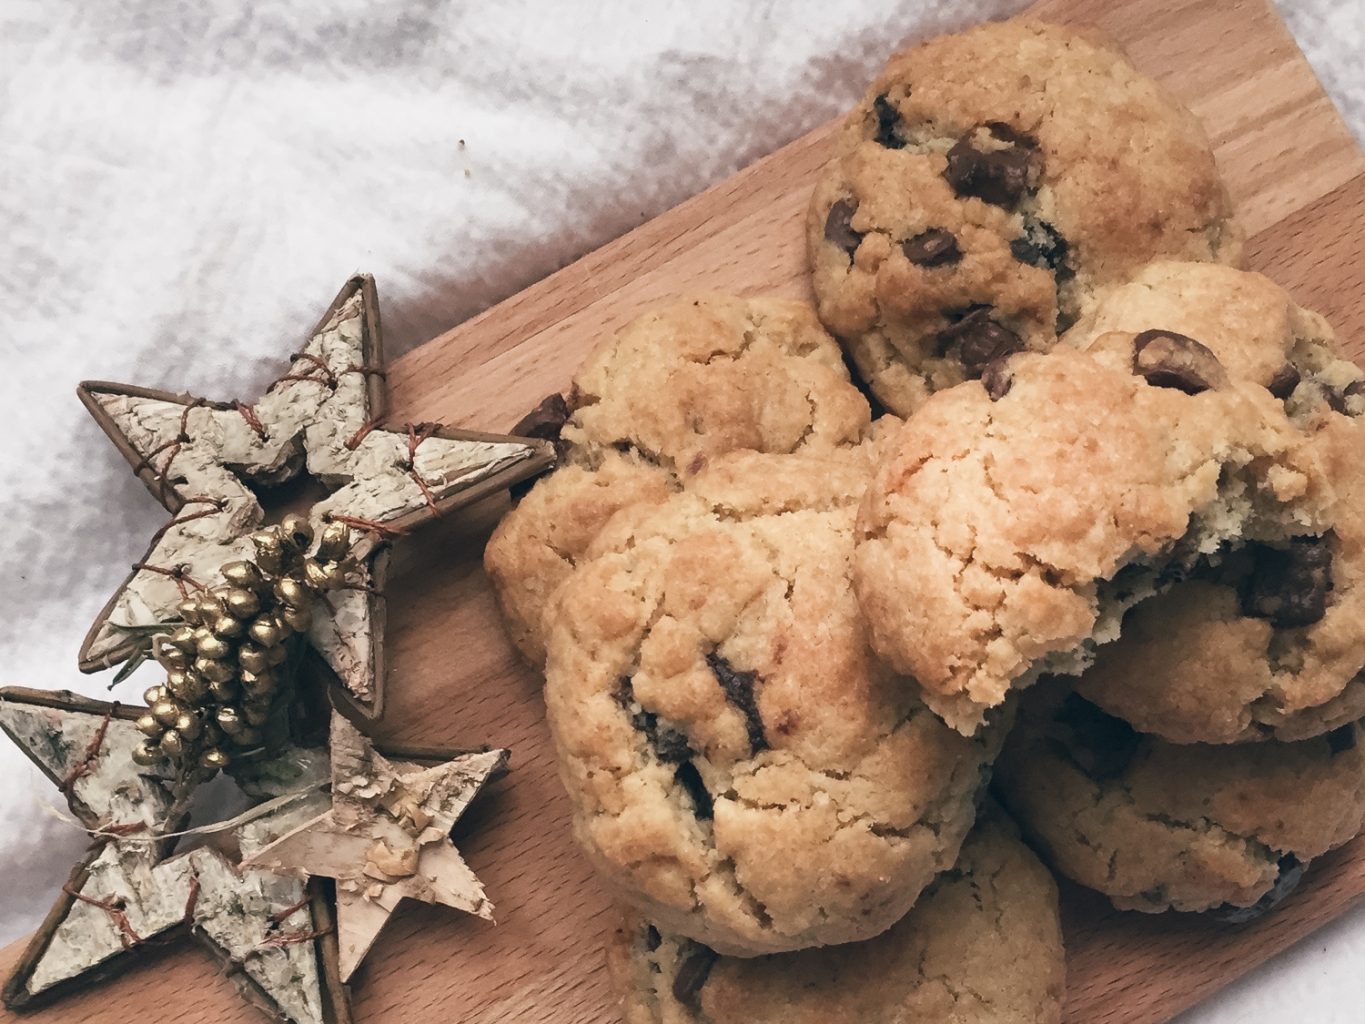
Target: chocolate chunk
671 746
1170 360
690 779
692 975
1336 397
996 176
1041 246
888 120
997 379
1284 382
933 248
1341 740
839 226
1102 746
739 691
1291 873
978 339
546 420
652 938
1289 586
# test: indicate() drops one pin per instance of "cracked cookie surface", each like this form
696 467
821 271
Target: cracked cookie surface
743 771
1271 641
1012 520
1156 825
648 409
982 946
989 182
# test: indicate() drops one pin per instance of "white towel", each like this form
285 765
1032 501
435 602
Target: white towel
184 184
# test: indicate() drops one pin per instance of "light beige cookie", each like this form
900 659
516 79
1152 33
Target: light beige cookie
742 770
988 183
650 408
1158 826
1016 518
1269 641
982 946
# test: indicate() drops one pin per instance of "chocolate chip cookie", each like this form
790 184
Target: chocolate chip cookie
986 186
1015 518
742 770
982 946
1157 826
649 408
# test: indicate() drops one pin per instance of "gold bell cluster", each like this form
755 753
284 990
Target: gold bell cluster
224 663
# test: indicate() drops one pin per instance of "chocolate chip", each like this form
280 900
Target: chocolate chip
671 746
691 781
933 248
652 938
997 379
839 226
996 176
1284 382
546 420
692 975
1291 873
739 691
1102 746
1289 586
1170 360
888 120
1341 740
978 339
1336 397
1041 246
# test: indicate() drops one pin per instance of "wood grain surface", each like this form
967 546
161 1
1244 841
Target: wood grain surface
1299 180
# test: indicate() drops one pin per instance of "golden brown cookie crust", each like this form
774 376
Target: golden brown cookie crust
742 770
1158 826
909 230
982 946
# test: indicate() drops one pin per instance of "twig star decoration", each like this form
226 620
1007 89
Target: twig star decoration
207 462
386 838
128 893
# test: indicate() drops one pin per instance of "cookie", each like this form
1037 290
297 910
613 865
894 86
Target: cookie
1269 641
742 770
982 946
648 409
1015 518
986 186
1194 827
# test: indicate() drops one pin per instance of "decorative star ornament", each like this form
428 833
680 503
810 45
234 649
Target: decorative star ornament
273 932
210 463
386 838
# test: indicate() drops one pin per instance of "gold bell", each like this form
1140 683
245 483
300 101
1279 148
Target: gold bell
226 627
188 610
297 530
258 684
166 712
269 550
253 659
189 687
214 759
213 671
244 574
265 631
225 689
172 745
149 726
182 637
229 720
154 694
210 646
147 754
297 619
242 603
335 542
322 576
293 593
168 657
188 726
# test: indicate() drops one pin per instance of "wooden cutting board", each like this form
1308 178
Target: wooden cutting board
1299 180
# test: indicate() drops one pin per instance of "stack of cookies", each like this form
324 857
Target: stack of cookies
1089 523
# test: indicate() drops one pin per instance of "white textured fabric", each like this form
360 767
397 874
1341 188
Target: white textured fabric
184 184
